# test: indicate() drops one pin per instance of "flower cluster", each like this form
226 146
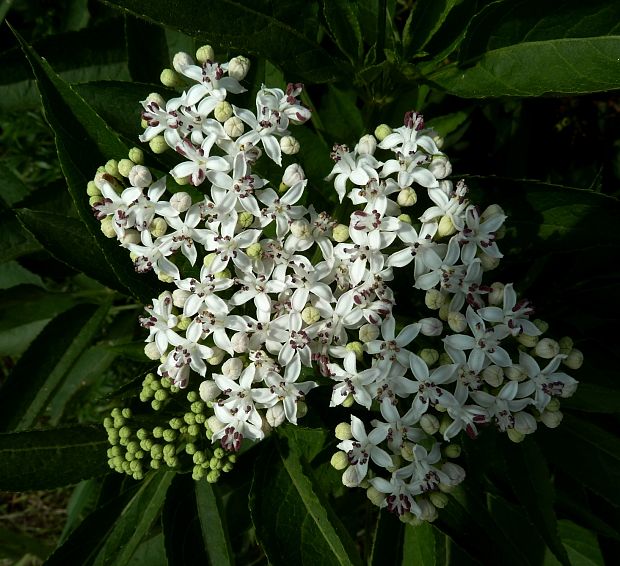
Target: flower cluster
273 290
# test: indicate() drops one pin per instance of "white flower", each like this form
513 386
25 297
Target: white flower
512 314
392 348
359 169
474 234
352 382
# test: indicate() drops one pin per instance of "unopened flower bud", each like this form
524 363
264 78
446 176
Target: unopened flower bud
217 357
407 197
350 478
515 372
525 423
238 67
181 61
158 227
158 144
301 229
574 360
547 348
452 451
553 405
348 402
340 233
204 54
445 359
541 325
233 127
439 140
431 326
367 145
223 111
302 409
382 131
245 219
125 166
130 237
183 322
496 295
92 201
457 321
293 174
357 348
375 496
310 315
151 351
446 227
527 340
429 355
493 375
170 78
232 368
179 296
136 155
566 345
343 431
487 262
289 145
107 227
551 419
429 423
240 342
515 435
440 167
406 452
181 201
439 500
254 250
434 299
214 424
92 190
111 168
428 512
405 218
209 391
368 332
444 311
157 99
275 415
182 180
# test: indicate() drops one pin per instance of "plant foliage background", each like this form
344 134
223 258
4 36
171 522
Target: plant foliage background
525 94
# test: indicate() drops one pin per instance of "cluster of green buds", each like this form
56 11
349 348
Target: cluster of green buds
178 434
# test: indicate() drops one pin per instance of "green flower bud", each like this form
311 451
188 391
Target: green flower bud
219 453
197 406
169 450
183 322
146 444
553 405
357 348
205 53
541 325
108 422
158 227
170 435
375 496
161 395
405 218
193 430
439 500
227 467
190 448
170 78
515 435
222 111
238 67
493 375
452 451
155 464
157 451
340 233
382 131
124 166
107 224
124 432
92 190
429 423
339 460
434 299
310 315
213 476
343 431
566 345
175 423
156 405
429 355
574 360
551 419
197 473
348 402
446 227
527 341
255 250
111 167
457 321
137 155
515 372
547 348
289 145
245 219
158 144
198 457
189 418
234 127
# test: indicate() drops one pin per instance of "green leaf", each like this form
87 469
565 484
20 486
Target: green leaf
340 116
420 546
42 368
68 240
213 524
582 545
423 23
292 522
16 242
387 541
147 49
15 544
151 552
242 27
13 274
586 452
13 188
449 123
84 141
531 481
344 28
135 520
307 442
44 459
592 398
83 501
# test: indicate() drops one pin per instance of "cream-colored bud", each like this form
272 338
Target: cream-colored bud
181 201
357 348
217 357
428 512
140 176
429 355
293 174
130 237
405 218
223 111
487 262
245 219
233 127
525 423
209 391
348 402
214 424
151 351
429 423
179 296
515 372
574 360
107 227
431 326
367 145
434 299
136 155
204 54
439 500
282 188
238 67
446 227
182 180
566 345
92 190
493 375
275 415
343 431
301 229
240 342
452 451
368 332
444 311
339 460
254 250
406 451
157 99
183 322
310 314
170 78
95 200
289 145
515 435
407 197
440 167
158 227
542 325
340 233
496 295
375 496
547 348
232 368
111 168
382 131
181 61
551 419
457 321
125 166
158 144
527 341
